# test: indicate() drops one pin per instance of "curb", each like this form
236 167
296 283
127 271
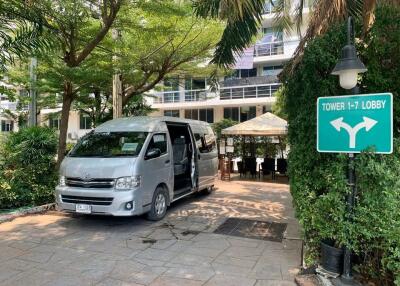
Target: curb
33 210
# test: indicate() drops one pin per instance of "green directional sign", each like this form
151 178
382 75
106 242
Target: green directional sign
351 124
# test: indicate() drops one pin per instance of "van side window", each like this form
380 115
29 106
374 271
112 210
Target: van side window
159 141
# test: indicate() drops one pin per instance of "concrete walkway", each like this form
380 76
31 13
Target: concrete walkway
58 249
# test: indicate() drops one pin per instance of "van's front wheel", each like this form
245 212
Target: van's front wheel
158 204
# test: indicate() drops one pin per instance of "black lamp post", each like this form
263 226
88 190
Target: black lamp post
349 65
348 68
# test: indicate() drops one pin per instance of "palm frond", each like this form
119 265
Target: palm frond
21 29
243 18
298 16
282 19
324 13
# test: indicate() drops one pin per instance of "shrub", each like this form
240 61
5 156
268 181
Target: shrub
318 181
27 170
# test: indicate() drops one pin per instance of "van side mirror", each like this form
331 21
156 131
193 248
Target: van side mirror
152 153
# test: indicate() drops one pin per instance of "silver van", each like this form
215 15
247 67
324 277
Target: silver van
136 165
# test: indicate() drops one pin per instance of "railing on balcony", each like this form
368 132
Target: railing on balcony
175 96
248 91
268 49
12 106
231 92
195 95
167 97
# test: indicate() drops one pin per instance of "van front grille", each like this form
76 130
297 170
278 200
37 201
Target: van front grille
93 183
87 200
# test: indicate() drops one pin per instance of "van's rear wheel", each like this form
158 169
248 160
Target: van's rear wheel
158 204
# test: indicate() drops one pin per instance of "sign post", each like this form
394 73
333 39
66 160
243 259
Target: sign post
351 124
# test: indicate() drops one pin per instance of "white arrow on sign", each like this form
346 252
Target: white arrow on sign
368 123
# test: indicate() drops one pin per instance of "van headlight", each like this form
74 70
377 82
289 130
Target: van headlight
126 183
61 181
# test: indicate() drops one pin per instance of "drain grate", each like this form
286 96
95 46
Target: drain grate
264 230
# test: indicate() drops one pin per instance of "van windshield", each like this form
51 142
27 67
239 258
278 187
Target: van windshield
109 144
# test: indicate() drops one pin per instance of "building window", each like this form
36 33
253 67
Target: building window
7 125
206 115
240 114
171 84
192 114
272 70
247 113
172 113
85 122
54 123
195 83
248 73
231 113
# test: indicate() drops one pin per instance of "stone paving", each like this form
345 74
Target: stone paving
60 249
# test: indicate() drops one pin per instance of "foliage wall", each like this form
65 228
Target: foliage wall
27 167
318 181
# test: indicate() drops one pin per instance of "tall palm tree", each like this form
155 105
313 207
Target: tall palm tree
243 19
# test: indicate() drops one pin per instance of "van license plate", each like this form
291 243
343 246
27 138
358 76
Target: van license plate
84 209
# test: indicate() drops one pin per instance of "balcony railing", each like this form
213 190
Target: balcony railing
167 97
225 93
248 91
175 96
195 95
12 106
268 49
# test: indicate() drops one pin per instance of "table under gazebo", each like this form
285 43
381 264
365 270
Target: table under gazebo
251 132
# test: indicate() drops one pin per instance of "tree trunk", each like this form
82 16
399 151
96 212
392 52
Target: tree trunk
66 107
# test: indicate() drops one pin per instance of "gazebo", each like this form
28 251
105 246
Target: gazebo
265 125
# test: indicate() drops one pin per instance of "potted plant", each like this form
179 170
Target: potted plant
331 256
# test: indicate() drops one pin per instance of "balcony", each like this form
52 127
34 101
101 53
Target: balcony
7 105
269 49
175 96
205 97
248 91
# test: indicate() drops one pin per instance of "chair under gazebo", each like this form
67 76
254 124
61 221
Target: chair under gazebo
265 125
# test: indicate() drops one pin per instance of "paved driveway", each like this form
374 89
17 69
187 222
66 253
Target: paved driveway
57 249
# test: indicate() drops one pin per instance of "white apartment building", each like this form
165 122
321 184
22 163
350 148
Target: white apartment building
248 93
7 123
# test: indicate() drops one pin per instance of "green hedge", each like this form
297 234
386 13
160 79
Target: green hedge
318 181
27 167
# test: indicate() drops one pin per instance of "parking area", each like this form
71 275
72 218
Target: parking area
182 249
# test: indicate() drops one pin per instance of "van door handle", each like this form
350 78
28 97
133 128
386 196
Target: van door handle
167 162
198 156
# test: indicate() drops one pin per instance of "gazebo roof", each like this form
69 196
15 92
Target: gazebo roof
267 124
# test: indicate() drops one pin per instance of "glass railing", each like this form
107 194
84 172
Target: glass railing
195 95
268 49
248 91
175 96
232 92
